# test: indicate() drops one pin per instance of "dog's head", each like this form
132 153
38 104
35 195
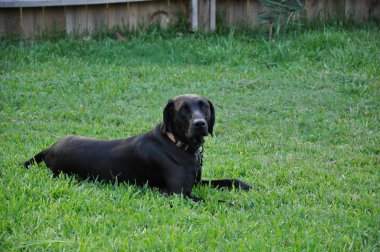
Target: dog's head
190 118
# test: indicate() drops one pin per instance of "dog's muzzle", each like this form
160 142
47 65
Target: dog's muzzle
200 124
199 128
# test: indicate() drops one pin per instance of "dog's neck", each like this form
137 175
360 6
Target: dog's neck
182 145
177 142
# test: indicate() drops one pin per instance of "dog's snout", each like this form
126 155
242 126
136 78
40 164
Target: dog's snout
199 123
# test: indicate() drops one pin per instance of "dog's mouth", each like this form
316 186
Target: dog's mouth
197 140
195 136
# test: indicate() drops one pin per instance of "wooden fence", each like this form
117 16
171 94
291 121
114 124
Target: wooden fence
29 18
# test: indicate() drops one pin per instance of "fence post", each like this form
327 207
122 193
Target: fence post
212 15
194 15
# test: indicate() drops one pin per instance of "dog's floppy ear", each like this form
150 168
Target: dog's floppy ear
168 110
211 121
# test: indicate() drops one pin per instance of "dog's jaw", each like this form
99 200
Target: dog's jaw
198 140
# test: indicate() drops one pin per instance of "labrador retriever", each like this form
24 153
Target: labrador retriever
168 157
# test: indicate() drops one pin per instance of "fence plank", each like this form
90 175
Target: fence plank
238 12
179 8
132 14
121 15
76 19
374 10
144 11
111 17
314 9
54 19
334 8
319 9
97 18
10 22
230 12
204 14
32 22
253 10
358 10
161 14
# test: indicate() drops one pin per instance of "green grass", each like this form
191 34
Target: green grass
297 118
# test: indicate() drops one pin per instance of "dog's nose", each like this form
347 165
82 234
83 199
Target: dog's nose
199 123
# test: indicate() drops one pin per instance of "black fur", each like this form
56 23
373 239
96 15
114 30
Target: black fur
150 158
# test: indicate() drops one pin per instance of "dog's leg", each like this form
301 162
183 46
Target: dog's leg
195 199
38 158
227 183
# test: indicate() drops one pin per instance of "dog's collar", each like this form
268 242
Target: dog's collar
186 147
177 142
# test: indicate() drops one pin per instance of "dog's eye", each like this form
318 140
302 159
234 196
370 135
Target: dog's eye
183 109
204 107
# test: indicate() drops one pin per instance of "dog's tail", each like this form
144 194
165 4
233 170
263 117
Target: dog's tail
38 158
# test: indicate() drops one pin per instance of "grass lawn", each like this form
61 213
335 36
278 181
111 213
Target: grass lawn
297 118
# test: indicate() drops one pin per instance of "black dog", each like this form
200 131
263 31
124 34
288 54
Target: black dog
167 157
